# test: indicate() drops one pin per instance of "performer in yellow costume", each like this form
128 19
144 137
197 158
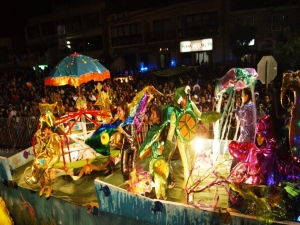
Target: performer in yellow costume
48 154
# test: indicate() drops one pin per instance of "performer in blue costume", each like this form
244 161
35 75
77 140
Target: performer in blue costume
99 142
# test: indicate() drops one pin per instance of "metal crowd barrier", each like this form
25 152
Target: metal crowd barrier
17 133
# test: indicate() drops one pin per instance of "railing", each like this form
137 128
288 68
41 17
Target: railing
17 133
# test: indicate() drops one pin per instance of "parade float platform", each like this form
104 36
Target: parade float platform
101 198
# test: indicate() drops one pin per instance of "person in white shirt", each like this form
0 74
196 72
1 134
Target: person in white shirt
92 97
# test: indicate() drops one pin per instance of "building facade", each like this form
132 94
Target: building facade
269 22
172 34
163 37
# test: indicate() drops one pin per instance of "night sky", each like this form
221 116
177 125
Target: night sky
14 13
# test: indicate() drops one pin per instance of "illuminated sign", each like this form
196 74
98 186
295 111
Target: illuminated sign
194 46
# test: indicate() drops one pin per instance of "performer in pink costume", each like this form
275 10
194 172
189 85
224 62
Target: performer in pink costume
257 162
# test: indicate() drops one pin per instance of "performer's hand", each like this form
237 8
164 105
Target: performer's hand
120 129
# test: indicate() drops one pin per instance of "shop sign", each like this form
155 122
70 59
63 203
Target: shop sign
195 46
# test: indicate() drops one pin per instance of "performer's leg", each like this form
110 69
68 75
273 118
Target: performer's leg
124 164
171 177
47 183
185 163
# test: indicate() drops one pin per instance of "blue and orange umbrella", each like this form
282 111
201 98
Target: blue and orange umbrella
75 70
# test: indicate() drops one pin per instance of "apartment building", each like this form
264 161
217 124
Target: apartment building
76 26
269 22
164 36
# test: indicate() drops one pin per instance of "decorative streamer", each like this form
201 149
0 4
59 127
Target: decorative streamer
140 113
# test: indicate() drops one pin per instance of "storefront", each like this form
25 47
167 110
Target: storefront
196 52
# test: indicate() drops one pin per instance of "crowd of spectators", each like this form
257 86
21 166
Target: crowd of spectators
22 89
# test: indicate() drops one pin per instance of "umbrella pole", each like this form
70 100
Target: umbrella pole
83 125
83 121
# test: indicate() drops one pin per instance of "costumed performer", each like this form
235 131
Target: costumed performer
4 214
244 114
130 142
129 118
81 101
184 124
183 111
100 140
104 102
257 163
257 178
160 168
47 156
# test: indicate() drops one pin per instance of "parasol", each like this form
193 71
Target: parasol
75 70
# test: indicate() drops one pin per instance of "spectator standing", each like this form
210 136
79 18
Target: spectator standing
92 97
267 104
203 106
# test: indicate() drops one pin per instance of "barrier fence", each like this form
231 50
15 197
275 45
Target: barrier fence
17 133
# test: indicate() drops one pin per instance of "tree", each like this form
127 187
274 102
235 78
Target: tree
239 38
287 48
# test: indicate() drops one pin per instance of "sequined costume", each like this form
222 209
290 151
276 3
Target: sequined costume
48 153
247 126
128 150
256 165
48 158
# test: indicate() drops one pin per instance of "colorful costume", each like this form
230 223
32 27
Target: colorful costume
128 150
184 124
247 126
256 165
160 167
46 159
48 154
159 170
101 137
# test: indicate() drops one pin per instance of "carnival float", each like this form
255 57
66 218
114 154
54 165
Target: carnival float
82 169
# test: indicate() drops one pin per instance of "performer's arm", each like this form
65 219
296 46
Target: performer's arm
172 126
196 110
